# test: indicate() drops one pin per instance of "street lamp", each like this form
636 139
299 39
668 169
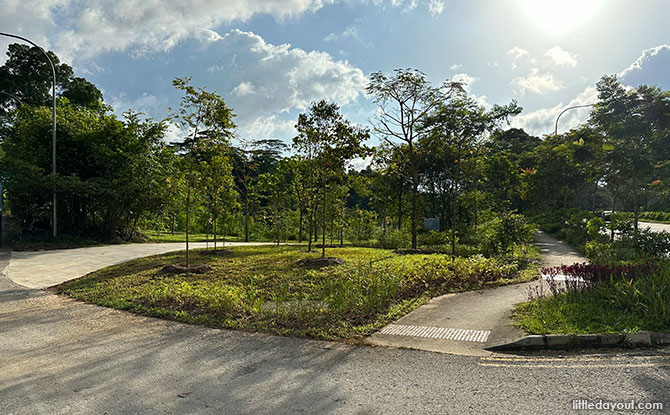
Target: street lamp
569 108
53 134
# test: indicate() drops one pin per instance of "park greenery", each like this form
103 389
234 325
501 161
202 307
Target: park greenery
264 288
431 152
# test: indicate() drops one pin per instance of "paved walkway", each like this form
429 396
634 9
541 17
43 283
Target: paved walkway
467 323
41 269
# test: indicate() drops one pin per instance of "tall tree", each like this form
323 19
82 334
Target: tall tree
405 100
461 125
634 123
25 78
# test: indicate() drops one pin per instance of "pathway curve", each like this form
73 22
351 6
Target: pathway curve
41 269
467 323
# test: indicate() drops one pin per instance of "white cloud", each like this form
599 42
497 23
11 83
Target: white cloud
243 88
651 68
268 127
96 26
89 27
456 67
350 32
146 103
273 81
538 83
464 79
560 57
331 37
517 52
543 121
436 7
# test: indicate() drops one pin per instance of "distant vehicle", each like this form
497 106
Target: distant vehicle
607 215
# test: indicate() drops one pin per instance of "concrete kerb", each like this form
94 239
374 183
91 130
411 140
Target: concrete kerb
578 341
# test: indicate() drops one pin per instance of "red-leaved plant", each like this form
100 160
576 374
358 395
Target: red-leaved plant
583 276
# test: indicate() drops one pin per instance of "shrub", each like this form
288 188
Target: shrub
394 239
433 238
506 231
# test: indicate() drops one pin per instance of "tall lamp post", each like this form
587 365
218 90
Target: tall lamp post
567 109
53 133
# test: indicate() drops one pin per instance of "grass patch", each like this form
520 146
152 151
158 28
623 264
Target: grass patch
262 288
616 306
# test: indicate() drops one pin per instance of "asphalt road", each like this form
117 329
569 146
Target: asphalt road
60 356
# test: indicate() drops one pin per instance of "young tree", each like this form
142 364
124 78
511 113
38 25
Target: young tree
405 100
328 142
210 122
251 159
217 184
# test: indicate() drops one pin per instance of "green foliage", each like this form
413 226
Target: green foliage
263 288
506 231
595 228
26 78
394 239
110 171
615 307
433 238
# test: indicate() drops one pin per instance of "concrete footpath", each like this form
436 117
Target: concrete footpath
41 269
467 323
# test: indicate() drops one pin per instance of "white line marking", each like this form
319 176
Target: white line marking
478 336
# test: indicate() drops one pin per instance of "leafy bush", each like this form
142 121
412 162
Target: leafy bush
433 238
595 229
394 239
506 231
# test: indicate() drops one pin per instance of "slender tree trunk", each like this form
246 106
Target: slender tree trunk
399 207
188 218
415 197
246 225
300 226
323 225
476 214
173 218
309 234
214 228
342 236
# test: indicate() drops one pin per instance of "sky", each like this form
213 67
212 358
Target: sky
271 59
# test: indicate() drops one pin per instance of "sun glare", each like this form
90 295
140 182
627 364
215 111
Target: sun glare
560 16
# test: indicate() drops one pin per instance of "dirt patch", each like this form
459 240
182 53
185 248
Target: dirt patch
320 262
218 252
183 269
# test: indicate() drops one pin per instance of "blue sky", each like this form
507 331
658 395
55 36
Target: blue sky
270 59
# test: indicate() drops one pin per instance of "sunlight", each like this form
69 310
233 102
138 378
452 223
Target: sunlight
558 17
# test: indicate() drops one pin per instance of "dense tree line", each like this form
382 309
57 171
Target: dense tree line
440 155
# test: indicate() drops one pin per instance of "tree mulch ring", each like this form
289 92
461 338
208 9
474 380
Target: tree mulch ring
320 262
418 251
218 252
183 269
